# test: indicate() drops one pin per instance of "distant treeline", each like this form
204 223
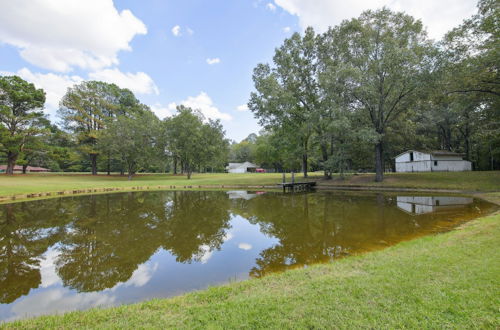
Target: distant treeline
349 99
104 128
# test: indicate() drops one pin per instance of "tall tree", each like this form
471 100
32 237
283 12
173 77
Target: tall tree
390 59
89 107
195 143
132 139
20 112
288 95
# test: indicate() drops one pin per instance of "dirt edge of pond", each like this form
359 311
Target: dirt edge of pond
493 197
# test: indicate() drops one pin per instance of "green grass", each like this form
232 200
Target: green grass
447 280
465 181
52 182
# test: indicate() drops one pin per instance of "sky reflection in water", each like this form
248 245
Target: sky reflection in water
79 252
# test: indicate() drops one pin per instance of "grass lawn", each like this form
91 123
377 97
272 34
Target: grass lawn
467 181
53 182
446 280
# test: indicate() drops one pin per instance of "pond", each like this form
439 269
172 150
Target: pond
103 250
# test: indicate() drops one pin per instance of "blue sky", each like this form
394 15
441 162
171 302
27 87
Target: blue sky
195 52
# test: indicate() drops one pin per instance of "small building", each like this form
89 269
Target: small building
241 167
19 169
431 161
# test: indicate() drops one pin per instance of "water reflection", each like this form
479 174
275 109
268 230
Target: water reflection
79 252
427 204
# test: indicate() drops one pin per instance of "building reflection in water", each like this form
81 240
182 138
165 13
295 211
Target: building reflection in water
427 204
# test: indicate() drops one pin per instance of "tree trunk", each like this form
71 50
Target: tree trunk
131 171
379 171
304 164
93 162
25 167
324 155
175 165
11 162
109 164
188 171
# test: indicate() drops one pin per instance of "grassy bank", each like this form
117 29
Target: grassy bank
56 182
441 281
53 182
466 181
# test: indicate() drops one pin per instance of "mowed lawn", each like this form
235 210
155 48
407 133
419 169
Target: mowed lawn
466 181
440 281
53 182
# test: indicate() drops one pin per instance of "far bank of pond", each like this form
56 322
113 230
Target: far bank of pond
49 185
105 250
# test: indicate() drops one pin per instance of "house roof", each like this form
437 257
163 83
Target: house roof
434 153
20 168
240 165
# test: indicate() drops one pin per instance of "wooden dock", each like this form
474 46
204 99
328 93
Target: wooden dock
297 186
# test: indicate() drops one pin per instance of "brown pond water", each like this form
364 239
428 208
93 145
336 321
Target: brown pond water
102 250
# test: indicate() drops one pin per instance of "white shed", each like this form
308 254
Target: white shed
241 167
431 161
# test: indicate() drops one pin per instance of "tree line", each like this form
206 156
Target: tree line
374 86
349 99
104 127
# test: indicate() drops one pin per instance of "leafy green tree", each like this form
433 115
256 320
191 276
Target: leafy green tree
87 108
132 139
288 96
389 60
20 113
195 143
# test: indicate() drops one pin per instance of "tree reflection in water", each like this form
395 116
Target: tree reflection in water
101 240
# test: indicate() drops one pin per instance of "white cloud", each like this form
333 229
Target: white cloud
140 276
271 7
245 246
176 31
139 82
204 104
62 34
242 107
206 254
212 61
438 16
287 29
48 270
162 111
58 300
54 85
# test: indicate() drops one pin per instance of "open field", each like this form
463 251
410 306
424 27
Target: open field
53 182
441 281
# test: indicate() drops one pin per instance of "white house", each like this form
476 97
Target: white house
431 161
241 167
